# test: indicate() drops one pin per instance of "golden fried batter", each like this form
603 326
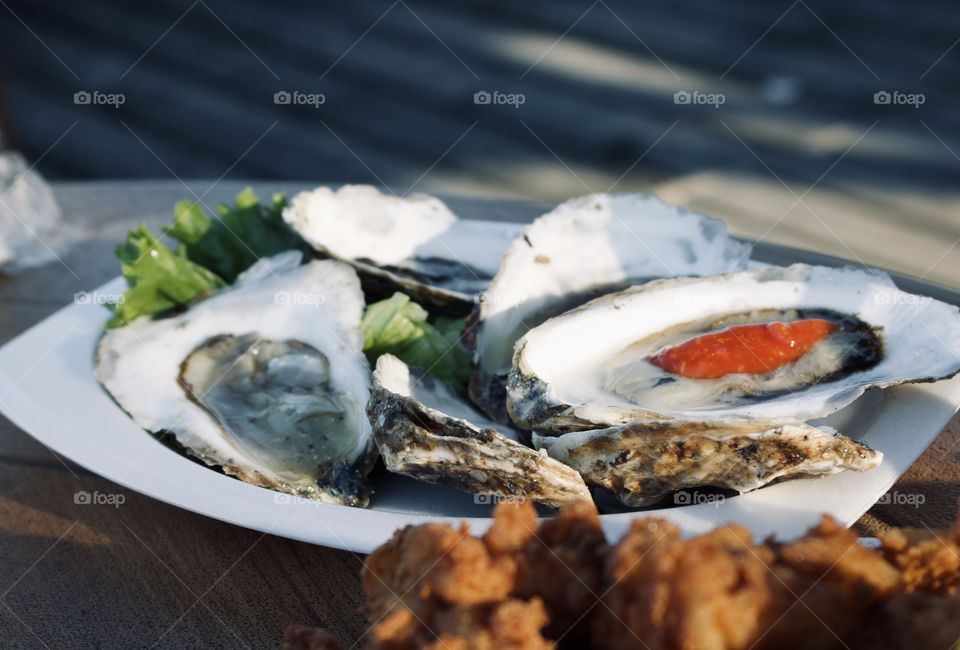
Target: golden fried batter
434 587
927 560
521 587
562 563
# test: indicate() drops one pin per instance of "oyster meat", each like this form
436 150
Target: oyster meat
413 244
424 430
266 380
584 248
601 387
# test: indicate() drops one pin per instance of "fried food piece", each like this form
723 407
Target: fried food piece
825 584
710 592
511 625
435 587
563 564
927 560
720 590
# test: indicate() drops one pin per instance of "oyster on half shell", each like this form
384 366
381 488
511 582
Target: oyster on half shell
424 430
590 368
584 248
266 380
413 244
591 381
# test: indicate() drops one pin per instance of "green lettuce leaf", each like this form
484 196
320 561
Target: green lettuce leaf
210 254
399 326
244 233
158 278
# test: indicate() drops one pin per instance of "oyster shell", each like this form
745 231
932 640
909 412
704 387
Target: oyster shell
640 463
887 337
586 381
413 244
266 380
424 430
584 248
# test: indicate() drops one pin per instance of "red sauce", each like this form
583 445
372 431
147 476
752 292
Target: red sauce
743 349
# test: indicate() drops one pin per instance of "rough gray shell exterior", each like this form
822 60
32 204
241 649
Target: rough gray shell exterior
641 463
432 446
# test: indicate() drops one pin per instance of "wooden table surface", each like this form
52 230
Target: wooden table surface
146 574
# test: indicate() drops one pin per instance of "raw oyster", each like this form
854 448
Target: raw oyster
586 247
424 430
413 244
642 462
590 368
597 386
266 380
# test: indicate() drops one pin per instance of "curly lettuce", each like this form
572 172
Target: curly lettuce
210 252
399 326
243 233
159 280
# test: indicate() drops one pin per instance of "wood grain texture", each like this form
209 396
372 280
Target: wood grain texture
147 573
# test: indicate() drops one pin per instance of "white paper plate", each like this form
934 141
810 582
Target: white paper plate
48 389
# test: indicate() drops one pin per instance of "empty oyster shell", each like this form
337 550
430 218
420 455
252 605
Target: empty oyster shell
426 431
413 244
584 248
266 380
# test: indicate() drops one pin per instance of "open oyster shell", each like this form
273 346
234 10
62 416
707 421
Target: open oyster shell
426 431
586 369
584 248
409 243
266 380
586 382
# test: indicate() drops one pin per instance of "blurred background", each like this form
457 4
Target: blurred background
827 125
